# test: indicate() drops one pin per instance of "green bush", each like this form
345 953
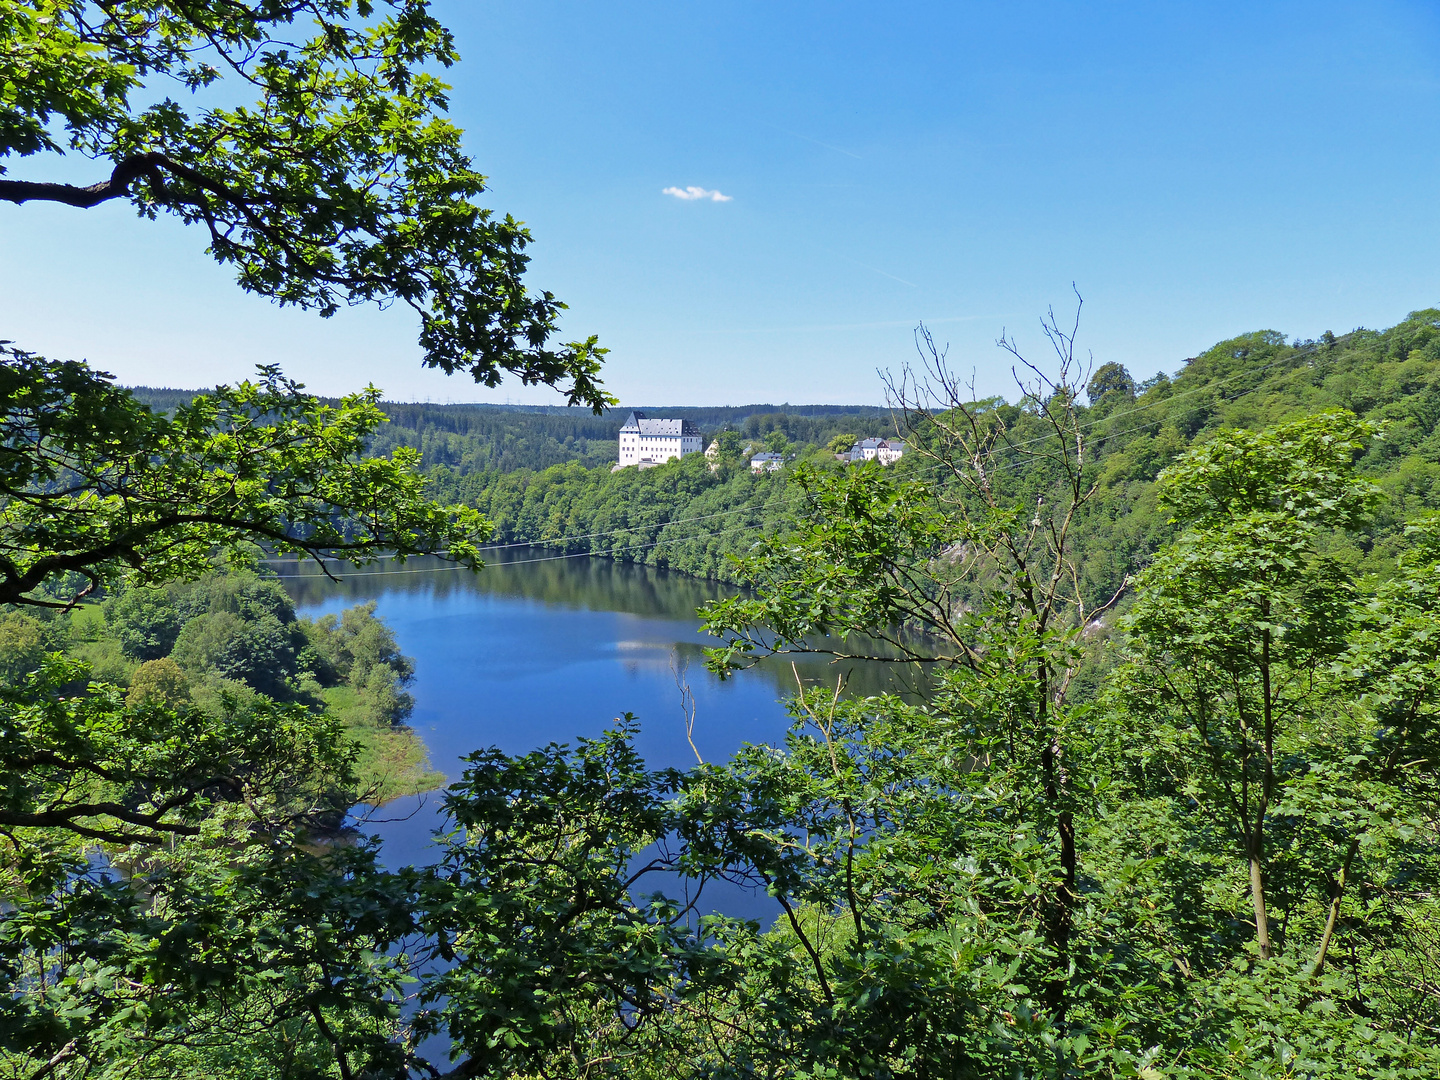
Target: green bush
145 621
259 652
158 682
24 643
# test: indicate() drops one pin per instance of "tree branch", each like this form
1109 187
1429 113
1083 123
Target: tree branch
118 186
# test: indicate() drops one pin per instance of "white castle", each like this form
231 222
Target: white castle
645 441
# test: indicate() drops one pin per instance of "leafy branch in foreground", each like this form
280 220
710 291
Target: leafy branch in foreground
343 183
86 764
93 483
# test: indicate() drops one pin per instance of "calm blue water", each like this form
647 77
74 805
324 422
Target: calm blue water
526 653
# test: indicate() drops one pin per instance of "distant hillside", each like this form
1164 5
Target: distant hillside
541 474
504 439
685 517
507 438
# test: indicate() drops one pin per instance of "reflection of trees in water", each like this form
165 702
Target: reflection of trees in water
863 678
596 584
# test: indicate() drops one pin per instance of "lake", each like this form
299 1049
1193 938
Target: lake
537 649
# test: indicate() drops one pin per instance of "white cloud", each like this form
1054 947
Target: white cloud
689 194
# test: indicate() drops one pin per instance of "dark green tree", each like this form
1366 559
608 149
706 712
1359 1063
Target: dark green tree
145 621
93 484
1110 385
732 446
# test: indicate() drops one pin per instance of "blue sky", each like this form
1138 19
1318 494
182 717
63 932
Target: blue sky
1198 170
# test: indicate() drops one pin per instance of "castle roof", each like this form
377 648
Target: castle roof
638 421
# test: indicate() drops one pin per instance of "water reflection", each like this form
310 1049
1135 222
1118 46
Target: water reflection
530 652
538 576
523 573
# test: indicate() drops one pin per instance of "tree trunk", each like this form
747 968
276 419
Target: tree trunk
1059 918
1267 790
1257 894
1337 893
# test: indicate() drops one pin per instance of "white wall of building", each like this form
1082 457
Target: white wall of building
629 447
637 446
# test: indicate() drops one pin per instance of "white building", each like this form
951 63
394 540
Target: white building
766 462
885 451
645 441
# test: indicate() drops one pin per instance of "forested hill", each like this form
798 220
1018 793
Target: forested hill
543 474
507 438
499 438
1253 382
683 516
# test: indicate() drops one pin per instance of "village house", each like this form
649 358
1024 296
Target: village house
891 452
885 451
766 462
647 441
712 453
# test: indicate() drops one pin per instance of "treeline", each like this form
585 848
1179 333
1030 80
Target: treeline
504 439
681 515
542 474
1253 382
686 517
509 438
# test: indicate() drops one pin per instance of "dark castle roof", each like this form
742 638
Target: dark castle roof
638 421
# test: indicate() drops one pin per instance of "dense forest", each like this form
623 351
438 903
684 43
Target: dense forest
511 438
690 518
1164 806
221 640
476 438
228 639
